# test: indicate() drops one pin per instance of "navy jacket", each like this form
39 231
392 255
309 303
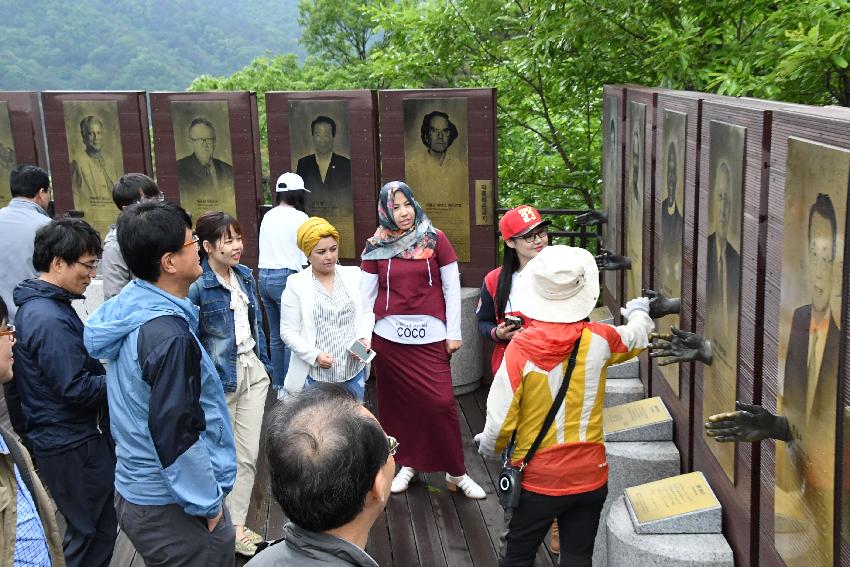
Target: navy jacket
62 389
218 329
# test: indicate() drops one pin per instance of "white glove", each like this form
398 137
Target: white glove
486 454
635 305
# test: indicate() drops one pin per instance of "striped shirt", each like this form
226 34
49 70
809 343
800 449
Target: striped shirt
571 458
333 314
30 541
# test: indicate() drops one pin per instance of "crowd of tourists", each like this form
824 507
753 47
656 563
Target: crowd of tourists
148 415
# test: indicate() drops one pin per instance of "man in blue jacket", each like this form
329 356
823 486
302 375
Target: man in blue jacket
174 441
63 390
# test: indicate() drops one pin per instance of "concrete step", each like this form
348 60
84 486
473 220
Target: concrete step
625 370
623 391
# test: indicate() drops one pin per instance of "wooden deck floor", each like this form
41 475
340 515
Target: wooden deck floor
426 526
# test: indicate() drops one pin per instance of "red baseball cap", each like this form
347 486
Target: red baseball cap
520 220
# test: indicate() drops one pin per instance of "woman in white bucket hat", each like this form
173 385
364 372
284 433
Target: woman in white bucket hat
568 475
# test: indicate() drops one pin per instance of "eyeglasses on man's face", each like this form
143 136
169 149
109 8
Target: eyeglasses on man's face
392 445
529 238
194 240
10 332
90 266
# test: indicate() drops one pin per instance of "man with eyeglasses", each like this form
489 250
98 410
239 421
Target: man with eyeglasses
200 172
63 390
175 447
331 467
131 188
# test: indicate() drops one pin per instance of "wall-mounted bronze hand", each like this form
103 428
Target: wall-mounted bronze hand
680 346
747 424
661 305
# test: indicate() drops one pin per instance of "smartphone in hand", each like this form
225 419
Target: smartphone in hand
360 351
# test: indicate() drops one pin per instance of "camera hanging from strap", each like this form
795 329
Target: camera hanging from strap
510 479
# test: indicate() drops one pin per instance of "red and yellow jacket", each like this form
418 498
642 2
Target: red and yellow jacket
571 458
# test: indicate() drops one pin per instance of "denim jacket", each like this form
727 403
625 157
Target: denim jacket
217 328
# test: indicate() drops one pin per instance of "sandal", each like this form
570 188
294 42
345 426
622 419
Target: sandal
245 548
250 535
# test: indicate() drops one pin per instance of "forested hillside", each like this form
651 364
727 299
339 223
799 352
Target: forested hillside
137 44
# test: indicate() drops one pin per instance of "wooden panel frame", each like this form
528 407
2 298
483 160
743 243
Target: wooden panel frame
739 500
135 136
649 97
827 126
27 132
613 300
363 128
482 151
681 407
244 139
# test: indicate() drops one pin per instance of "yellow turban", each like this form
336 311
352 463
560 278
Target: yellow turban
311 231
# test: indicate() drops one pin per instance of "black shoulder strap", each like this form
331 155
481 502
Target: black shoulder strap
20 461
559 399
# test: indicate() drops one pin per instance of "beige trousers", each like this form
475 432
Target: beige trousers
246 406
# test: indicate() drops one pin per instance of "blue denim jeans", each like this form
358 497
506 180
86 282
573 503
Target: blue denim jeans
272 284
356 385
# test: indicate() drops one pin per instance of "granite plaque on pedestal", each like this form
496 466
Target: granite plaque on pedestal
643 420
683 504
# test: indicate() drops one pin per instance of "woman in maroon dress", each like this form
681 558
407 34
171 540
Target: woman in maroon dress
411 277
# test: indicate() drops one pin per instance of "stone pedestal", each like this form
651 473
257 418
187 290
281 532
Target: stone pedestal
626 548
602 315
631 464
468 362
659 430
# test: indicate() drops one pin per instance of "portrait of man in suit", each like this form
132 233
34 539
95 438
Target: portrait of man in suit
93 173
723 274
634 197
201 173
724 259
326 173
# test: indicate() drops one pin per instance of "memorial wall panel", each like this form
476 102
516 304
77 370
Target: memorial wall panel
207 156
613 117
804 498
442 142
334 131
93 139
735 146
21 136
677 180
638 200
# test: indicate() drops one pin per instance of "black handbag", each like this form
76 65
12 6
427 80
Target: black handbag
510 479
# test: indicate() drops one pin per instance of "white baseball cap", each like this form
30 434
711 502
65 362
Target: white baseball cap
290 182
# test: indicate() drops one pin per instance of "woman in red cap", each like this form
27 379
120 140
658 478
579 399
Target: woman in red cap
525 235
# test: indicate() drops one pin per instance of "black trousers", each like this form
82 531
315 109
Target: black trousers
578 519
81 481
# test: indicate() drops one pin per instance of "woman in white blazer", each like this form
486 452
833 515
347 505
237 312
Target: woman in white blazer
322 313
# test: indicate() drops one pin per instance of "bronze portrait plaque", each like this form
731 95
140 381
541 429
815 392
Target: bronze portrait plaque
634 198
723 277
7 154
436 164
611 182
96 156
204 156
810 310
320 145
672 177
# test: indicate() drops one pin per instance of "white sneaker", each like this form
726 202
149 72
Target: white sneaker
402 480
468 486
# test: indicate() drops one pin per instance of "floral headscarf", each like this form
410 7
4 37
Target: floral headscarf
389 241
